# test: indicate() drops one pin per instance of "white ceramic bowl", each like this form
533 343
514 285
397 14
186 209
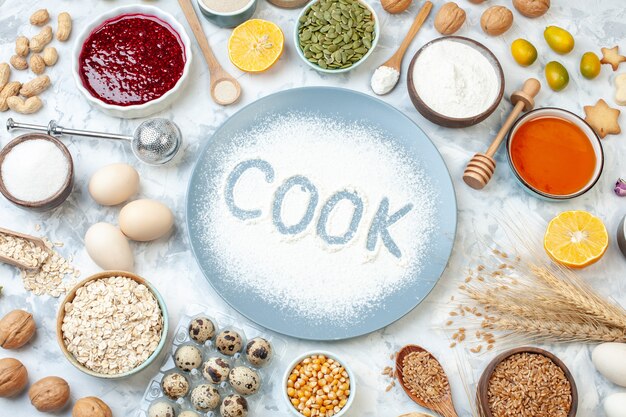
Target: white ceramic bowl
283 388
576 120
336 71
138 110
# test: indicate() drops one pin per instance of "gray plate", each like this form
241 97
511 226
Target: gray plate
349 106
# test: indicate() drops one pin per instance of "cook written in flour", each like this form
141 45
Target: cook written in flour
379 226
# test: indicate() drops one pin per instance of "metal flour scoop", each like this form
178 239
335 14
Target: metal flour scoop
155 141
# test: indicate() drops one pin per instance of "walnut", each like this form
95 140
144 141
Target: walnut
395 6
532 8
91 407
49 394
449 19
496 20
476 1
16 329
13 377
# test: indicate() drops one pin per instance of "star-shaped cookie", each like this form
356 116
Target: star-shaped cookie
603 119
612 57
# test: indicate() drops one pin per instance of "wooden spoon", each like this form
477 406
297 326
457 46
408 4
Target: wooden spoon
445 407
395 61
35 240
217 73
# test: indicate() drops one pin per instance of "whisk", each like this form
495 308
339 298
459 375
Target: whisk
154 142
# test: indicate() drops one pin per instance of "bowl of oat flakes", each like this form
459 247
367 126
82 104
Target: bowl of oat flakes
112 325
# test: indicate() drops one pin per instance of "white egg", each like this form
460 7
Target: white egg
145 220
113 184
615 405
109 248
610 360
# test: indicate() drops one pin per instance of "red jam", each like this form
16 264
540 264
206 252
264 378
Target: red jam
131 59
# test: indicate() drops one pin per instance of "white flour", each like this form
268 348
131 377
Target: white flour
455 80
301 273
384 79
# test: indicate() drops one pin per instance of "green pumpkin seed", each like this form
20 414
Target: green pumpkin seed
336 34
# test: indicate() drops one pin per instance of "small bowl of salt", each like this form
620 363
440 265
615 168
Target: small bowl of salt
36 172
455 81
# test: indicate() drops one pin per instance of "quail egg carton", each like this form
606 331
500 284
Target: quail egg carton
268 373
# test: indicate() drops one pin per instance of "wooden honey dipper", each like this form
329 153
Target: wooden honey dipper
481 167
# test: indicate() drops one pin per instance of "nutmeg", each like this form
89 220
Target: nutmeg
13 377
91 407
532 8
49 394
496 20
16 329
395 6
449 19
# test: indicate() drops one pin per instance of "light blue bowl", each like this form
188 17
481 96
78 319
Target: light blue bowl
296 40
228 20
107 274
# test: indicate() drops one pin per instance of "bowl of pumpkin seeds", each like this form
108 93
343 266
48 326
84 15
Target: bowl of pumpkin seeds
335 36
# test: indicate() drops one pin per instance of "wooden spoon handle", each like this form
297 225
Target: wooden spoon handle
396 60
446 410
196 27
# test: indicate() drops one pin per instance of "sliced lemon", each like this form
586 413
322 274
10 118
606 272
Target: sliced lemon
576 239
255 45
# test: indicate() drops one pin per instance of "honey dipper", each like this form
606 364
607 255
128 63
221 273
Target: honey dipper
481 167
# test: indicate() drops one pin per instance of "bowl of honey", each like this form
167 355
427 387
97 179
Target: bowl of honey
554 154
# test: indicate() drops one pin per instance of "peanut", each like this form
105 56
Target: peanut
65 26
28 106
39 41
50 56
9 90
40 17
21 46
35 86
18 62
5 73
37 64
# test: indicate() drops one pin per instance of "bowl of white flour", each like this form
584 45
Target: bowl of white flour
455 81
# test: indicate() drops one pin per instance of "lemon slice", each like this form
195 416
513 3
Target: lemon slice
256 45
576 239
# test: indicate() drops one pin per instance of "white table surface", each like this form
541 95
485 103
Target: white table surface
170 264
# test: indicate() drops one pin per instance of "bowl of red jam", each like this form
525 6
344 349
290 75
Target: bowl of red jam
132 61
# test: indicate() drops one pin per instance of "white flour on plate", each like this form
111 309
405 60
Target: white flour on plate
302 273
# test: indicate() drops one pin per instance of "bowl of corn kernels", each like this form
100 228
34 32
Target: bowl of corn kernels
318 384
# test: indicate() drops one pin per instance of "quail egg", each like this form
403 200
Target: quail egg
259 351
234 406
188 413
229 342
201 329
244 380
161 409
188 358
175 386
205 397
216 370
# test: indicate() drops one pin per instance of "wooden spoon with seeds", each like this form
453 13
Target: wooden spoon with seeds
34 240
442 405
